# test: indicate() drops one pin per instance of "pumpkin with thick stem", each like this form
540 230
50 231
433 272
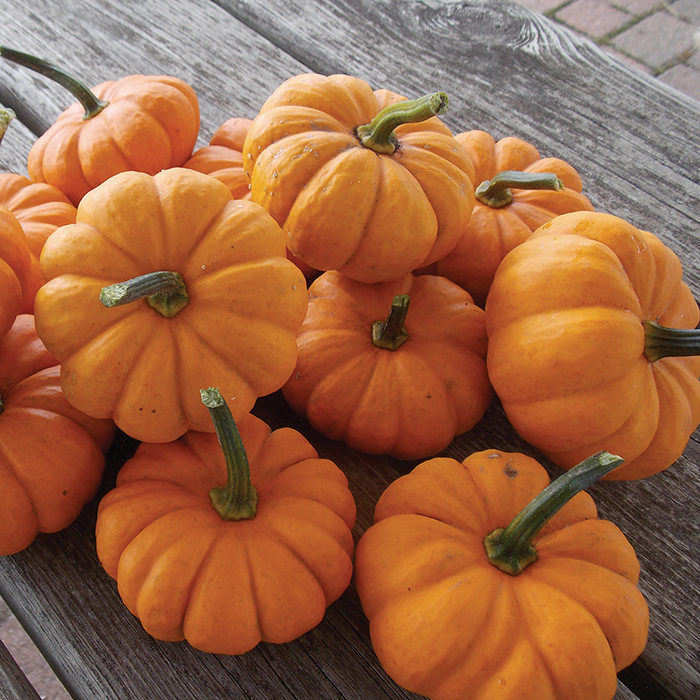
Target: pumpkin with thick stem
163 285
141 122
40 210
593 344
391 368
372 193
516 192
480 580
15 268
51 454
226 544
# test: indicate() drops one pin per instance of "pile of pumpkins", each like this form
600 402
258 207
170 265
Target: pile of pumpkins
389 277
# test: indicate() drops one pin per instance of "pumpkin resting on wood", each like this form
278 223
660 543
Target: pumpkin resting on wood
15 266
163 285
592 344
370 192
475 589
51 455
391 368
228 547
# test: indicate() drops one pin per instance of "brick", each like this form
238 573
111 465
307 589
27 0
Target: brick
593 17
541 6
622 58
641 41
638 7
688 10
684 78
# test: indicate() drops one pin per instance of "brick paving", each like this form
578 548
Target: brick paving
660 38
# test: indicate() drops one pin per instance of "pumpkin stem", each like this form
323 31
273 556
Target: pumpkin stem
510 549
6 116
661 341
165 291
379 135
496 192
237 500
92 104
391 333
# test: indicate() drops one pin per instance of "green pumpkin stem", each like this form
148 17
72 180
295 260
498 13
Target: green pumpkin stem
660 341
6 116
92 104
496 192
238 499
164 290
379 135
391 333
510 549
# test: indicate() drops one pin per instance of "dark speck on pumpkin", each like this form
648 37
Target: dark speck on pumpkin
510 471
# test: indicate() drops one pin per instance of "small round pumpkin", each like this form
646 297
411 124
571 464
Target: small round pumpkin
40 209
227 544
517 191
387 377
481 581
145 123
372 193
592 344
15 265
165 284
51 455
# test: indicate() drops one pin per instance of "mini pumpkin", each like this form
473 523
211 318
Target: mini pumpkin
51 455
140 122
227 544
480 580
15 263
40 210
366 183
386 377
592 344
517 191
163 284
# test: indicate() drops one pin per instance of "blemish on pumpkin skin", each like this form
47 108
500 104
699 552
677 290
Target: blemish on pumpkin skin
510 471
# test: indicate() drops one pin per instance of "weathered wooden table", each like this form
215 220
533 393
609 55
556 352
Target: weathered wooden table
636 145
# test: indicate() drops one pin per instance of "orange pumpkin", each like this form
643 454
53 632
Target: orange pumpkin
140 122
40 209
387 378
575 351
373 193
223 159
476 585
15 262
51 455
226 562
212 297
518 192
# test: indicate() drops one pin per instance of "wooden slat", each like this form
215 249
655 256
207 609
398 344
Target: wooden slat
14 685
508 72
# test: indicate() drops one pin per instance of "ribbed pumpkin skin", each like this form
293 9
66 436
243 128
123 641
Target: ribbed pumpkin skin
447 624
150 124
342 206
40 209
224 586
15 266
566 344
144 370
493 232
409 402
51 455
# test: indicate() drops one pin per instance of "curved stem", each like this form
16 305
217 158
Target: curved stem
238 499
6 116
511 549
496 192
92 104
379 135
165 291
661 341
391 333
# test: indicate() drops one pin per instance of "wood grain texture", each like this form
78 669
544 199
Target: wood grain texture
636 144
14 685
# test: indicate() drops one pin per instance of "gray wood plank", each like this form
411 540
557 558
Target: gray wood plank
511 73
14 685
